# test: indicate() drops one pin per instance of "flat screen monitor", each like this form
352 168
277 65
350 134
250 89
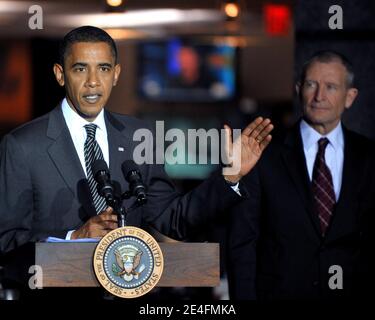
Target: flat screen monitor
186 70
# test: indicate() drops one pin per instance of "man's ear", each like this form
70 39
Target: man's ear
117 74
350 97
59 74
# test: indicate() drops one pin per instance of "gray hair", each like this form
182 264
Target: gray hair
328 56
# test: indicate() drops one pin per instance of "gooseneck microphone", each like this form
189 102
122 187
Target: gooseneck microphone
105 187
133 177
101 175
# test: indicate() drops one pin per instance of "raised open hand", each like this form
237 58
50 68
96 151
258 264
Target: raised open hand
247 149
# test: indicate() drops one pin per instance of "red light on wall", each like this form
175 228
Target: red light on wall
277 19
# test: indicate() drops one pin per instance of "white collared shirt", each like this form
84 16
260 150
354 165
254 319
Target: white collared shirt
334 153
76 125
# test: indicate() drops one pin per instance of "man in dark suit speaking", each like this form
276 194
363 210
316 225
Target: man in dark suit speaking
46 180
305 230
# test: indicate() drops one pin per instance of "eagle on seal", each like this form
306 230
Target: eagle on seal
127 264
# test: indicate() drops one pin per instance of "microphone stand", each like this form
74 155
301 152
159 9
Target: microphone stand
116 203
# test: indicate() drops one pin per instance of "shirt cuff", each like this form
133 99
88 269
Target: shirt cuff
69 235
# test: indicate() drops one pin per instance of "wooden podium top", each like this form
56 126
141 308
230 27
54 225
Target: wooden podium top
185 264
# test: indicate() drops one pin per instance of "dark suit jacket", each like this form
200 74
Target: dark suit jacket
44 192
276 250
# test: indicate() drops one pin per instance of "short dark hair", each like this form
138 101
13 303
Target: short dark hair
85 34
327 56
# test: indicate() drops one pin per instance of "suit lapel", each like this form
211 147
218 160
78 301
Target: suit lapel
63 154
342 219
295 162
62 150
120 149
119 144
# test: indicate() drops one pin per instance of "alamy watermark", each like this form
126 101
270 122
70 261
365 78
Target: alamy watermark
336 280
36 280
36 19
336 21
197 146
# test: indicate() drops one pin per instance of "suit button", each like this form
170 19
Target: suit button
315 283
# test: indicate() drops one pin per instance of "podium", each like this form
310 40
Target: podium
69 264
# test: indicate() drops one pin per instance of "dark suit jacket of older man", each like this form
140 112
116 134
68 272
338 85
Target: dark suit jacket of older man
276 250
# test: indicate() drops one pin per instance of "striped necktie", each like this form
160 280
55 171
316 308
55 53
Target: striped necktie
322 187
93 152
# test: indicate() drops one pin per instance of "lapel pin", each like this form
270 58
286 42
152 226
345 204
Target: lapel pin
121 149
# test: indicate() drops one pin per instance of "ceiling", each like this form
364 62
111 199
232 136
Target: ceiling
136 19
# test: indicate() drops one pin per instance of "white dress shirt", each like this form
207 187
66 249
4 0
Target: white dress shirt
76 125
334 153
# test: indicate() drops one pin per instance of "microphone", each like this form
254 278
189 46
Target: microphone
134 178
101 175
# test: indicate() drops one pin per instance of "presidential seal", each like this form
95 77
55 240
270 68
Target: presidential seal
128 262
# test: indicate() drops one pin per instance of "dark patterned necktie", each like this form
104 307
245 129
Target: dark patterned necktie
92 153
322 187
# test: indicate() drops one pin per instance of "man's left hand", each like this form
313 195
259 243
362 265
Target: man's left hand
253 140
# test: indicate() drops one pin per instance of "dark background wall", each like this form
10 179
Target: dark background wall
47 93
356 41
